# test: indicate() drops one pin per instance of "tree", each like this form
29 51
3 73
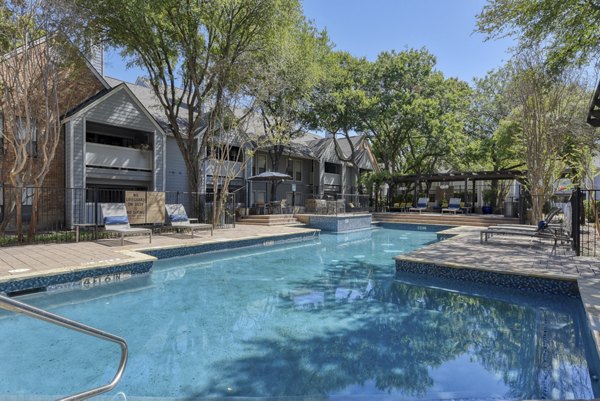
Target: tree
493 143
548 109
569 30
35 58
284 84
194 53
415 116
339 100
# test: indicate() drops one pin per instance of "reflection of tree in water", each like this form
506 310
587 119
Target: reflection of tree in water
394 342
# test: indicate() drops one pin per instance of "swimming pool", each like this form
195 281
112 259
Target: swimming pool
326 319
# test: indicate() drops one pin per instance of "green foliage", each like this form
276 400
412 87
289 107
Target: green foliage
569 30
492 143
196 55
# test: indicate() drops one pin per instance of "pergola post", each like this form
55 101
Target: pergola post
416 194
474 197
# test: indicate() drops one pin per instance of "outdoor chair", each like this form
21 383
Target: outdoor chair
541 231
421 205
453 206
547 222
178 218
115 220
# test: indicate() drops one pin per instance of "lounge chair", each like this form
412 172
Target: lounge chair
177 217
115 220
542 231
421 205
453 206
544 224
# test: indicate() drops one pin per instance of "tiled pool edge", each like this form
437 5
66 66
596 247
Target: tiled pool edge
542 285
172 252
143 266
43 282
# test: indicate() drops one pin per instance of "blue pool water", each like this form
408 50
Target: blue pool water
313 320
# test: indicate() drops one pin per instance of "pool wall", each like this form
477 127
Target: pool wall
527 283
165 253
110 273
340 223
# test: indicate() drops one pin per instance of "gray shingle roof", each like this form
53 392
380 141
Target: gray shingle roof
146 96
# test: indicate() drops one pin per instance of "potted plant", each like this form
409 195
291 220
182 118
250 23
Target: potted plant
488 197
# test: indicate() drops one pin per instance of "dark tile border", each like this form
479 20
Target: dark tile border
526 283
415 226
41 283
221 246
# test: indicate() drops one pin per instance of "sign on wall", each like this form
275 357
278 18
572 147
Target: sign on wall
145 207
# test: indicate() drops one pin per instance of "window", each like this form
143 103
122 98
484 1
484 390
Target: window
29 136
261 164
228 153
333 168
294 169
297 170
260 197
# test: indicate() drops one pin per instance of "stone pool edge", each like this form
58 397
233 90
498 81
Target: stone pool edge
141 262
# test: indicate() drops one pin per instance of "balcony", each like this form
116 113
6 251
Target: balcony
223 168
117 157
332 179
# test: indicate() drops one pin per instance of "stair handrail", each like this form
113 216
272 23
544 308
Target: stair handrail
13 305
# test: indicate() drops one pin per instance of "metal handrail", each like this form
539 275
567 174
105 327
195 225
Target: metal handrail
20 307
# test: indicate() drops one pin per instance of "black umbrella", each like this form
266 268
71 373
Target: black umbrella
270 176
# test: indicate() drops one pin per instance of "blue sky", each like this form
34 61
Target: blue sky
366 27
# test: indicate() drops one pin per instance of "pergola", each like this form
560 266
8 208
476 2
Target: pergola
593 117
467 177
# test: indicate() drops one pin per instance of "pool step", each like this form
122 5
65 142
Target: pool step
475 220
270 220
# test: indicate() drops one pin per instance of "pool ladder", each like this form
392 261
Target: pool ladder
20 307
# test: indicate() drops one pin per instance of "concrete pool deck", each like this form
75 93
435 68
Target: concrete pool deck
27 261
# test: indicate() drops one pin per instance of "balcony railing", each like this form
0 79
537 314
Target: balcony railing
98 155
332 179
224 168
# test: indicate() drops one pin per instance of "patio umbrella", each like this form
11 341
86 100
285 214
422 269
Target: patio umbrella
270 176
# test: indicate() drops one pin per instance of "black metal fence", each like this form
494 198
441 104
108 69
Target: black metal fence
585 223
34 215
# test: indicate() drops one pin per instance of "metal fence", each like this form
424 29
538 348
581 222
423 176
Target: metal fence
585 223
339 204
34 215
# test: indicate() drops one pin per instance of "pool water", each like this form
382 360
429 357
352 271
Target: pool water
325 319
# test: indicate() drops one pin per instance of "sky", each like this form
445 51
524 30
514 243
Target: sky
367 27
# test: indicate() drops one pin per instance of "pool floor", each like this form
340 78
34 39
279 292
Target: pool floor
323 319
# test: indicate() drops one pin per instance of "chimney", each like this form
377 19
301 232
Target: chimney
96 57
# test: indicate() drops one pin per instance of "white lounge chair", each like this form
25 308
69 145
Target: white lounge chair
115 220
421 205
178 218
453 206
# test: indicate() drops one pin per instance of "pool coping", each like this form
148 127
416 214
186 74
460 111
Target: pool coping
140 261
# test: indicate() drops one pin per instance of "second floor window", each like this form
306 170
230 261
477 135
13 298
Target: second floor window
333 168
27 132
261 164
